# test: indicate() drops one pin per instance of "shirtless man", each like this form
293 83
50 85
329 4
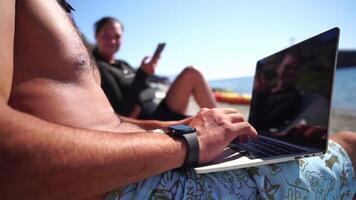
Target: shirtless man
58 134
53 79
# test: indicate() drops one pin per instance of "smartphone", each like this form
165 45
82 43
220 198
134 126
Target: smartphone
158 50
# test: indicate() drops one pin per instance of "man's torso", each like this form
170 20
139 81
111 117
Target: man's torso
54 76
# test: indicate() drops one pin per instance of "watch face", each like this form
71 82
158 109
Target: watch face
180 129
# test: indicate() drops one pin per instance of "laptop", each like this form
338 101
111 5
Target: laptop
290 106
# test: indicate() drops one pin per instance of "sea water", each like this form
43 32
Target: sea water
344 92
344 96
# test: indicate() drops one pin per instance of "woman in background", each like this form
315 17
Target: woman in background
124 86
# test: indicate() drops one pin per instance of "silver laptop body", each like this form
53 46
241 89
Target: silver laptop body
290 106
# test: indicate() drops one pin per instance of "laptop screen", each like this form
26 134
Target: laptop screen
292 91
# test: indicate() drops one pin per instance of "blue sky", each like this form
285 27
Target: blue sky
223 38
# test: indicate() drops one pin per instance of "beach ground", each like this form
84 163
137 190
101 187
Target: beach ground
339 120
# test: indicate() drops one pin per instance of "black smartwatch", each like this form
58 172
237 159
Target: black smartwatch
190 136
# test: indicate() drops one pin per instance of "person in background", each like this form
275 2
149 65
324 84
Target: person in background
125 86
60 139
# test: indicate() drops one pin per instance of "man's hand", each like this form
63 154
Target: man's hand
217 128
149 66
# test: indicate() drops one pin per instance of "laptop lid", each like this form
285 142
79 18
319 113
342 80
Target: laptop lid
292 92
291 100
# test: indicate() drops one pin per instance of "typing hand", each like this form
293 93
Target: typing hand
216 128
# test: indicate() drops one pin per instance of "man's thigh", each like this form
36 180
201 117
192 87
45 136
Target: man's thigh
329 176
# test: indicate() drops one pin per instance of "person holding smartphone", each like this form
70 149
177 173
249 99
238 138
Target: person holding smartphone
60 139
124 86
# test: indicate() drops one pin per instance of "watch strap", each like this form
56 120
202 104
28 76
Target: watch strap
192 157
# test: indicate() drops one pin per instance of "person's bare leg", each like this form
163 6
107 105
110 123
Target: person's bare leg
347 140
189 82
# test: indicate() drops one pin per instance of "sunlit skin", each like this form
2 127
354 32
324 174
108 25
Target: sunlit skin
57 126
59 136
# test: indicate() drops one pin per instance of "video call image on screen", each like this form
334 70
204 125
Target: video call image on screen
292 91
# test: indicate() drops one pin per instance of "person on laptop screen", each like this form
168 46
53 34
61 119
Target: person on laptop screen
60 139
276 99
291 90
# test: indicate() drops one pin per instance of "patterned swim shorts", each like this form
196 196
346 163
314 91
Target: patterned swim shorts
330 176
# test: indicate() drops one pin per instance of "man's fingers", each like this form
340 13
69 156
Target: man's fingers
242 129
229 110
203 110
243 138
236 117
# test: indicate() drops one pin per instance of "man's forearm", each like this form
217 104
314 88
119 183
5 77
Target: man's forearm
45 160
151 124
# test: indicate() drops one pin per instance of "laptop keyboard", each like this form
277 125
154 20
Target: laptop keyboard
263 148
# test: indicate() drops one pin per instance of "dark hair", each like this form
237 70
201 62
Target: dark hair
103 21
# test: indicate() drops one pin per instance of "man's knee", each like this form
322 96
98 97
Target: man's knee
345 137
347 140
